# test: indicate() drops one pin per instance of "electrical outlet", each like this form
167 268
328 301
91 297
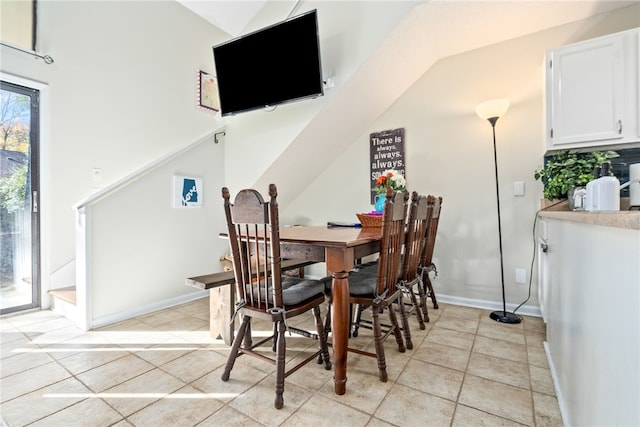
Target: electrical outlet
521 275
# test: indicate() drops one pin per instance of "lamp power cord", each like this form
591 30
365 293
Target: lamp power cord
533 255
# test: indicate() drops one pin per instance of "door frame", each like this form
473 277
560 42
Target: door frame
42 174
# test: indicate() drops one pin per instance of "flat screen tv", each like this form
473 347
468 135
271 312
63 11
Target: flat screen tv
271 66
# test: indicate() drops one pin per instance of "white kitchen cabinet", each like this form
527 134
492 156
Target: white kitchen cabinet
592 92
592 312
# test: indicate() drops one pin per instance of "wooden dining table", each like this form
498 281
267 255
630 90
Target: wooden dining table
338 247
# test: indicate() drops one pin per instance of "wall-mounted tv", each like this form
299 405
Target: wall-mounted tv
271 66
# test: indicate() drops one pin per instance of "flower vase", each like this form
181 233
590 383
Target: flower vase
380 201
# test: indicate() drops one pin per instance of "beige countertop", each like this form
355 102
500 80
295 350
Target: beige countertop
620 219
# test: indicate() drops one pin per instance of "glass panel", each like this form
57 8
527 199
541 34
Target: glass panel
16 267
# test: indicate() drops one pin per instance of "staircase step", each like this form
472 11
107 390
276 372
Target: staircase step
67 294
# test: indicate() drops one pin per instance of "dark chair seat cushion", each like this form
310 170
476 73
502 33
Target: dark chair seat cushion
370 269
294 290
326 281
363 285
363 278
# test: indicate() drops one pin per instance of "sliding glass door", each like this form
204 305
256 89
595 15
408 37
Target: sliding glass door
19 191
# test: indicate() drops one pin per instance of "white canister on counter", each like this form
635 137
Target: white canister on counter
588 204
609 194
603 194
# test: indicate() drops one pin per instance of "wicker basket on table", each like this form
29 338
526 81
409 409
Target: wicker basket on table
370 221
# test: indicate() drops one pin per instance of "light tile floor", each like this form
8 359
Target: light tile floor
163 369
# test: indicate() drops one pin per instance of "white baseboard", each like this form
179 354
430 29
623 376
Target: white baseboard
140 311
526 310
98 322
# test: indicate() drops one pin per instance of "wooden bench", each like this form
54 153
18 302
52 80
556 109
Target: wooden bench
222 297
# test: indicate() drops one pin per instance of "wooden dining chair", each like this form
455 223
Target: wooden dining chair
261 290
426 262
380 292
420 211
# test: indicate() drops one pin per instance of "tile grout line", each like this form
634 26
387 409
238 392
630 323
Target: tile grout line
466 369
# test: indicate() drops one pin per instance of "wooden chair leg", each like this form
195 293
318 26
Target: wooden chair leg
377 336
356 320
280 360
423 302
422 290
431 293
417 308
248 340
327 328
395 327
350 317
275 336
404 317
322 337
233 354
327 320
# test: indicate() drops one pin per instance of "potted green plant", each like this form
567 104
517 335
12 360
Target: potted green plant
565 171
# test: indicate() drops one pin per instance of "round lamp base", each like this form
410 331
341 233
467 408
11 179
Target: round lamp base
505 317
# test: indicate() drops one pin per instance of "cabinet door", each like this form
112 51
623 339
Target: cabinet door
587 90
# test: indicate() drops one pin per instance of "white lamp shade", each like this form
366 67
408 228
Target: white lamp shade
492 108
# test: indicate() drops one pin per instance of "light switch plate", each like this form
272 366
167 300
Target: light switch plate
518 188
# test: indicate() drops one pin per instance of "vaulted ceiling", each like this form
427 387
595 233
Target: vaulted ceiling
232 17
431 31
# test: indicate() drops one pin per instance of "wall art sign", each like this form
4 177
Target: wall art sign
187 192
386 152
208 92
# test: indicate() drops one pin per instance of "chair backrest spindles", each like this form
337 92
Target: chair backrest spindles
392 241
420 211
254 237
427 254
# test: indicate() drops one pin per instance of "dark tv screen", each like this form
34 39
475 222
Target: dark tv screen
271 66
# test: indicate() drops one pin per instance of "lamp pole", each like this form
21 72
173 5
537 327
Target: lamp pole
492 110
500 316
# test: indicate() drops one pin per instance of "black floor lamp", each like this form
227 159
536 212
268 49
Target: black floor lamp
492 110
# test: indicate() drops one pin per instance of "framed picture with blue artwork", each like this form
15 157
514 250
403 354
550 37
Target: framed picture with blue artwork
187 192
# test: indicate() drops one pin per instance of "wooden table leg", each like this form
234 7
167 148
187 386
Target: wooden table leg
340 329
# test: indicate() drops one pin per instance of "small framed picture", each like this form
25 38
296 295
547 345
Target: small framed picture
208 92
187 192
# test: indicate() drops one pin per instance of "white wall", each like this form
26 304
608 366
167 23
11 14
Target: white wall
122 94
349 32
140 248
449 153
